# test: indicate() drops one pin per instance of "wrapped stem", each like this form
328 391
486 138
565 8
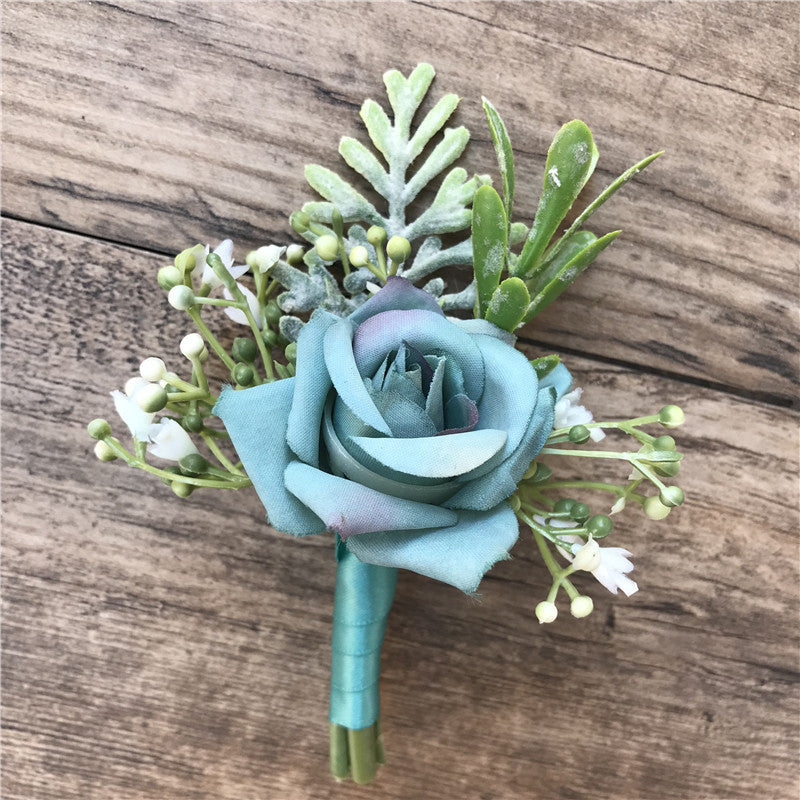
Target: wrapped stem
362 600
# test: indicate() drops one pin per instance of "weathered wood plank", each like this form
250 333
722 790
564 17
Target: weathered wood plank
193 121
166 649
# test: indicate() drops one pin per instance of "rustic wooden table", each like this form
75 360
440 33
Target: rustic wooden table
162 649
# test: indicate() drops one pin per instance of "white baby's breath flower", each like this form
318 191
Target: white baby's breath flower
568 412
225 252
236 314
169 441
138 421
267 257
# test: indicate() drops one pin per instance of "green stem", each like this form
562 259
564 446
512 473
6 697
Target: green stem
220 456
194 313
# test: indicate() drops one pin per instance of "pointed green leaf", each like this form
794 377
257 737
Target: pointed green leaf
378 127
434 121
508 304
570 161
364 163
547 270
405 95
350 203
567 274
505 155
601 198
545 365
488 244
444 154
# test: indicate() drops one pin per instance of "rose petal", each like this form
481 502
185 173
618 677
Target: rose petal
311 387
350 509
398 293
559 378
256 420
458 555
434 456
338 350
483 326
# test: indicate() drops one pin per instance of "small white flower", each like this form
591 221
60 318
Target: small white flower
267 257
138 421
568 412
169 441
236 314
587 557
225 252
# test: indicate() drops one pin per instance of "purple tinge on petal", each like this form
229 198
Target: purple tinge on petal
462 412
397 294
422 362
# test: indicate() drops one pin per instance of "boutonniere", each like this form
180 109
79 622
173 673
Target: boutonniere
374 400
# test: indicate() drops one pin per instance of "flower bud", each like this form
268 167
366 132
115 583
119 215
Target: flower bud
671 416
104 452
546 612
168 277
359 256
270 337
580 512
588 556
193 423
273 312
192 345
151 398
376 235
182 489
243 374
581 606
515 502
543 473
250 260
185 261
181 297
663 443
655 509
564 505
193 465
244 349
294 254
671 496
327 247
398 249
267 257
98 429
531 471
619 505
299 221
291 351
153 369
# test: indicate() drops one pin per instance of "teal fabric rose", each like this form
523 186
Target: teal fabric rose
403 432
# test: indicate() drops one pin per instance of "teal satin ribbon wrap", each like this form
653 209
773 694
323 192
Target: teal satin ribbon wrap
361 604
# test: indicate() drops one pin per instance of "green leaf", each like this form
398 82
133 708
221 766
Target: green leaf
567 274
545 365
364 163
352 205
570 161
601 198
378 127
505 155
547 270
406 94
508 304
489 242
444 154
434 121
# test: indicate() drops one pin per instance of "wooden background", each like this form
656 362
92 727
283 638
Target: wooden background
165 649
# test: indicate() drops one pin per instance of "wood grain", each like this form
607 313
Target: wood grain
160 124
165 649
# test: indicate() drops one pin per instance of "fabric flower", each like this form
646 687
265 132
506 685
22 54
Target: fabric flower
225 252
236 314
403 432
567 413
169 441
138 421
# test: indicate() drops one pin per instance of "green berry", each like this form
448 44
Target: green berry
376 235
578 434
398 249
671 416
243 374
98 429
580 512
671 496
273 312
655 509
270 337
182 489
564 505
193 423
193 465
244 349
327 247
291 351
599 526
173 471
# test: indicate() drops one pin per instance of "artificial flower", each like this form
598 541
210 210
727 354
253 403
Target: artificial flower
168 440
225 252
236 314
130 413
568 412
